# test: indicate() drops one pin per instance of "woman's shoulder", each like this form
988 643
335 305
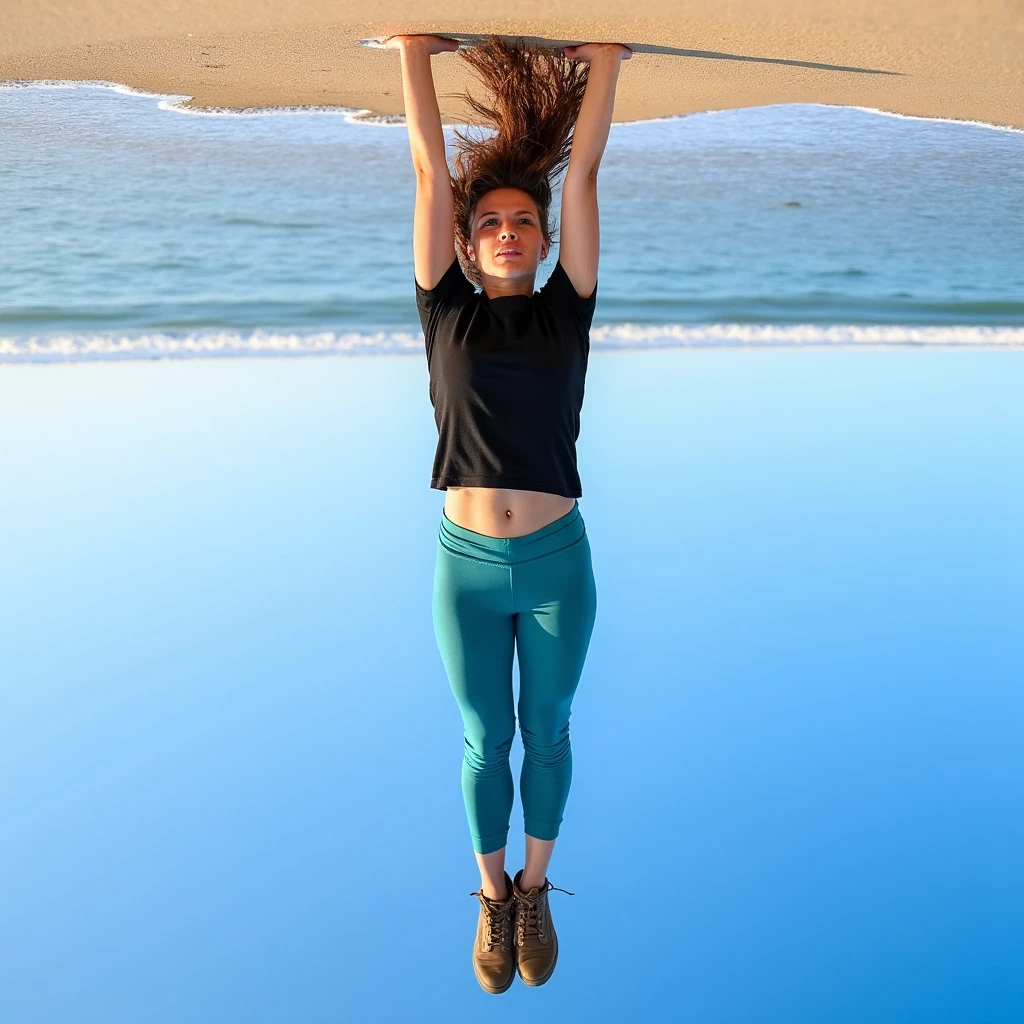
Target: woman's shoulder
452 280
560 294
453 291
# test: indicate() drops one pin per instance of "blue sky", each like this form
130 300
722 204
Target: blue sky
229 758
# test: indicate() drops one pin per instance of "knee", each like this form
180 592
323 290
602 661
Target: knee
486 755
547 747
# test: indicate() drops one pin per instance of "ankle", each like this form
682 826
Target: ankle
492 893
526 883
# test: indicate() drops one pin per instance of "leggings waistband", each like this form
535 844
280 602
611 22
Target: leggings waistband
561 533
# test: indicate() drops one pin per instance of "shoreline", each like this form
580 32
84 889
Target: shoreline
688 352
227 344
365 116
901 57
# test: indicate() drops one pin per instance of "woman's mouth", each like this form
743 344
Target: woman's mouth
508 253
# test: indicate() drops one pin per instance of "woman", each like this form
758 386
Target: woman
507 368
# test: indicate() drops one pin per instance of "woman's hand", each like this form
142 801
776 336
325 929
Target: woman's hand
432 44
587 51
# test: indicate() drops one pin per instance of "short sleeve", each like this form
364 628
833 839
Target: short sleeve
452 289
559 289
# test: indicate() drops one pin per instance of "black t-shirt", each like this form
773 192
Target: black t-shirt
506 382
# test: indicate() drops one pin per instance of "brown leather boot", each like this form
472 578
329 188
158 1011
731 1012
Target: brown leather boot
494 955
536 943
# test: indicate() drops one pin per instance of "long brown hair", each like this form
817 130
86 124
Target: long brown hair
536 97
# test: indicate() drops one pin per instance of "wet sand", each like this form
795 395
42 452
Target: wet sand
911 57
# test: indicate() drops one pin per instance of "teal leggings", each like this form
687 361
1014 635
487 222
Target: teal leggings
536 592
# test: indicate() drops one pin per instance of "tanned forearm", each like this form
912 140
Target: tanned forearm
595 118
423 118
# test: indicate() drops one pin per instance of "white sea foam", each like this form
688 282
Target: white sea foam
77 83
224 343
922 117
355 115
802 335
177 102
836 106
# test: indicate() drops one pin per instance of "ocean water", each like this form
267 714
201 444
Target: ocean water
134 230
229 756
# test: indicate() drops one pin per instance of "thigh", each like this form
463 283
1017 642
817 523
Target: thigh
556 601
475 631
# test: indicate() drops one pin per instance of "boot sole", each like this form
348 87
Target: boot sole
551 969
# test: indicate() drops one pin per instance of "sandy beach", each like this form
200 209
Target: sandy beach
953 60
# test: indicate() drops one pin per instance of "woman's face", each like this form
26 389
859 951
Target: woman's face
506 240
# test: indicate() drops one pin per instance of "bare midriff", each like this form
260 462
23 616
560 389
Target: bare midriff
501 512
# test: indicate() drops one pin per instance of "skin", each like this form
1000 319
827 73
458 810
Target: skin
506 217
498 221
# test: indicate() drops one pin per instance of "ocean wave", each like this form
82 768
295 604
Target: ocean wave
994 125
179 102
63 348
369 314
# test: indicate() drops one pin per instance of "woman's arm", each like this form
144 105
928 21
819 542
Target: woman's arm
579 225
434 216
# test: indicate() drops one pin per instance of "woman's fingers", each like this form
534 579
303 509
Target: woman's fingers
585 51
432 44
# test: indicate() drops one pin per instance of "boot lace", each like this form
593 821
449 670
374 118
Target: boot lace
529 919
496 914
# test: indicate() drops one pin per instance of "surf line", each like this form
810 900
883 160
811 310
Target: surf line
178 103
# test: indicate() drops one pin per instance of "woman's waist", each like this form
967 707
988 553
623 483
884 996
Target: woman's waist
504 511
560 534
